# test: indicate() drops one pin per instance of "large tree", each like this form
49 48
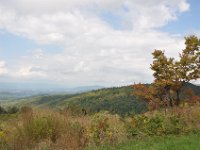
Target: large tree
172 75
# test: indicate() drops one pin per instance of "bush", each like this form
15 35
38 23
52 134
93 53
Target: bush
106 128
155 125
9 110
12 110
159 124
2 110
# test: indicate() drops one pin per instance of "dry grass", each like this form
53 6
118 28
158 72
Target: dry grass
40 129
47 129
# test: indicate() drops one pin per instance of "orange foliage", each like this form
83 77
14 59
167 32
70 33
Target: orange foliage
143 92
147 93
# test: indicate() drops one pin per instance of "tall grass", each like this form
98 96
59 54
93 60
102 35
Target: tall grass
39 129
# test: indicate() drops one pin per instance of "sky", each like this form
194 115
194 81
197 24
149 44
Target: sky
90 42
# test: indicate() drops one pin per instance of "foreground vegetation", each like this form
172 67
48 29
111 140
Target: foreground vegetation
55 129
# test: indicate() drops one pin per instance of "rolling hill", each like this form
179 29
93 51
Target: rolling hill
115 100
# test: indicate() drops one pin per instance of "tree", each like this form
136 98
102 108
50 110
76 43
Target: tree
163 68
145 93
150 94
172 75
188 67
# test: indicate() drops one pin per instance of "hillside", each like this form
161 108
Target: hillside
116 100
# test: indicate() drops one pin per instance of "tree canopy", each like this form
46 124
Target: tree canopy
170 75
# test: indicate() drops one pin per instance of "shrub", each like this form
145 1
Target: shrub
12 110
106 128
157 124
2 110
175 125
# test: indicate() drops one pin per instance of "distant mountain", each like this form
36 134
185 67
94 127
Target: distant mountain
195 88
9 91
85 88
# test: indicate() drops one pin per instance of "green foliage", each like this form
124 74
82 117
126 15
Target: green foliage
118 100
107 128
12 110
176 125
155 125
2 110
159 124
9 110
115 100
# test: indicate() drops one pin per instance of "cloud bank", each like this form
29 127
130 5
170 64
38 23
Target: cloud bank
105 42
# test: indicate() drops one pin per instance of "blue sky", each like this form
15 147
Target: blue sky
90 42
186 23
12 46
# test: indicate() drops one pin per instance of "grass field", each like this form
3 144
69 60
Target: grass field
182 142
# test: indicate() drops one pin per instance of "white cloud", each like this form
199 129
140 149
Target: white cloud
3 68
30 72
94 51
58 21
183 6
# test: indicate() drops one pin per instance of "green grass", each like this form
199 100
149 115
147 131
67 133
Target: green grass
182 142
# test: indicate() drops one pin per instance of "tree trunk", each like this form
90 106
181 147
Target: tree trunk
177 98
171 102
168 96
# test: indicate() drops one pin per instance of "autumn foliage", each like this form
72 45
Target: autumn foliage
170 76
